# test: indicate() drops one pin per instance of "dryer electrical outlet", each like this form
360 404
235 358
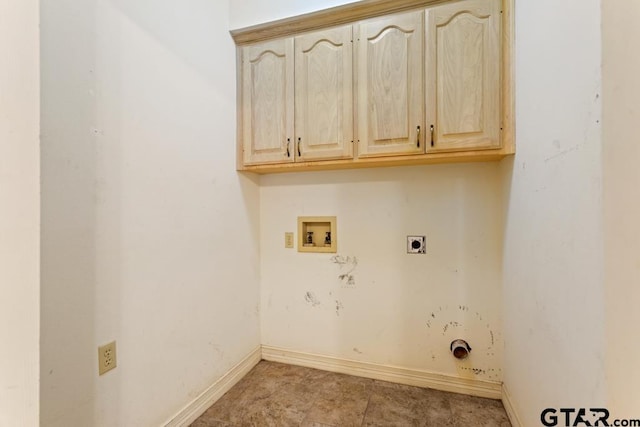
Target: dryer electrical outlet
416 244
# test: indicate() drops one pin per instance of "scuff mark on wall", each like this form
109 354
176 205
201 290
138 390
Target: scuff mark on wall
564 152
458 321
450 324
355 349
476 371
217 351
347 278
310 298
339 307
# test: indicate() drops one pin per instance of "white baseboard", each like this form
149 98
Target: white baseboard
196 408
510 408
394 374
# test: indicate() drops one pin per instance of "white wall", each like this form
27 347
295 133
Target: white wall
19 213
621 114
553 265
245 13
403 309
146 225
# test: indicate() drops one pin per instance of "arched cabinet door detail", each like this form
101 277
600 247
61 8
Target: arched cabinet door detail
390 88
324 95
463 75
267 102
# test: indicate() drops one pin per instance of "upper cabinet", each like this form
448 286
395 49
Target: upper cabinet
390 88
462 65
267 102
297 98
324 95
395 83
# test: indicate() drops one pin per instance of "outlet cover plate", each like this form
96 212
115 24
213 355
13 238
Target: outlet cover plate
288 240
107 357
416 244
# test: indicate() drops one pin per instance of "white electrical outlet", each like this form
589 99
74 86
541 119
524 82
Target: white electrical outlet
107 357
416 244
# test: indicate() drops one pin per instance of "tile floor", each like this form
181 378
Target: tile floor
274 394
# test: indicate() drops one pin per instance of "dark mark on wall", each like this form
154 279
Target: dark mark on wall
311 299
564 152
339 307
356 350
341 260
347 278
476 371
469 322
446 327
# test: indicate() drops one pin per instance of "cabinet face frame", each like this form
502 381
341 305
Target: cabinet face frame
350 14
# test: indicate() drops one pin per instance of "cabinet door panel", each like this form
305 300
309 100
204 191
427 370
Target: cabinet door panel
324 94
267 102
463 75
390 90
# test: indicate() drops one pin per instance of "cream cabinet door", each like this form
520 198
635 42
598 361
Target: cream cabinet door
390 90
267 102
324 95
463 75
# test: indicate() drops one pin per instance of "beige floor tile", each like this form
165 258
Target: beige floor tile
275 394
